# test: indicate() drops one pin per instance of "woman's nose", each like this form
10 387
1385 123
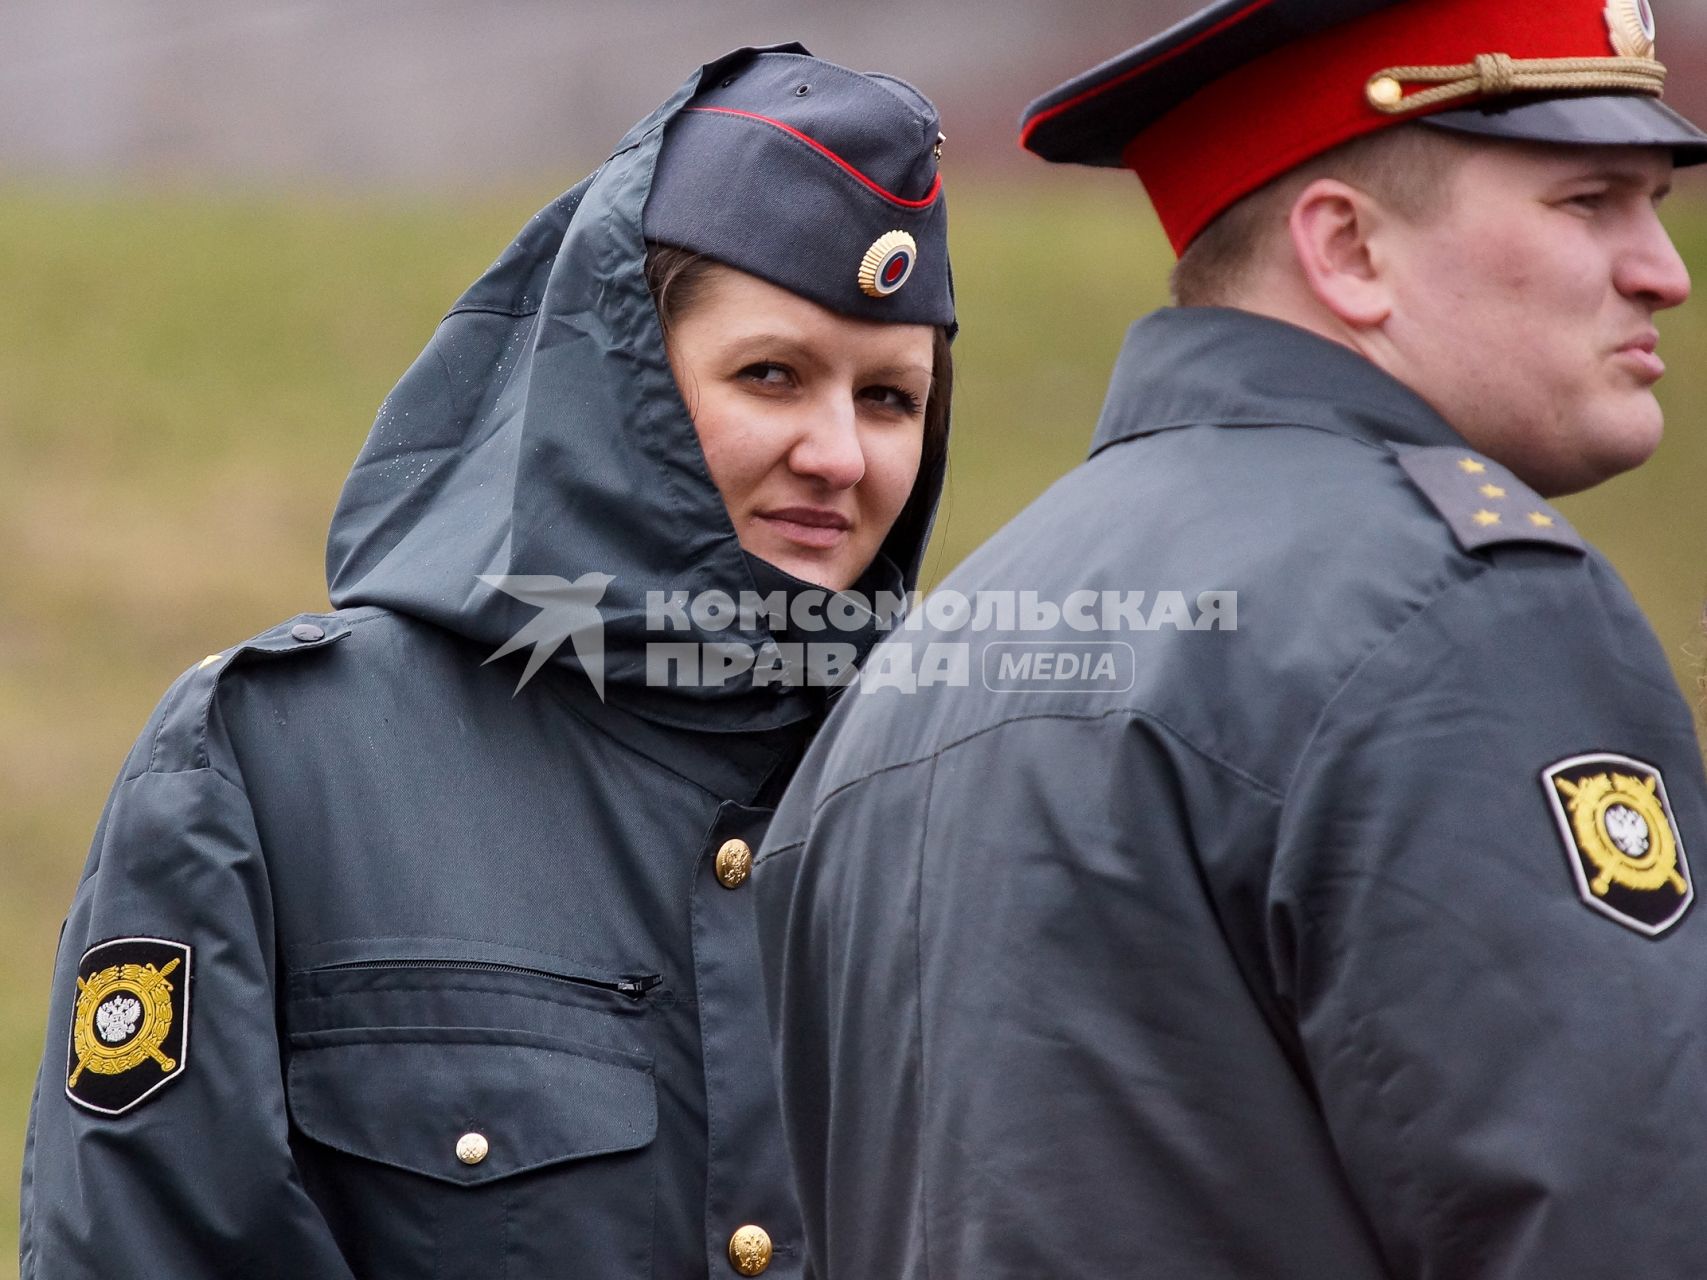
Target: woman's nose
828 448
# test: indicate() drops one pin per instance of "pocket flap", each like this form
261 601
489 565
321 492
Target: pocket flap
407 1096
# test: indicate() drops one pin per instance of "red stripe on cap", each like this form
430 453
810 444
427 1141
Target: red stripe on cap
1269 116
821 149
1143 68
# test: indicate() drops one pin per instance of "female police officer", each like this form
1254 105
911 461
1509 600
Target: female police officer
391 959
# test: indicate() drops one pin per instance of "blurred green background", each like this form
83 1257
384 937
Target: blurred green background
185 379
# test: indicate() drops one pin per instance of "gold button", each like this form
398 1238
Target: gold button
1384 91
734 861
471 1148
750 1249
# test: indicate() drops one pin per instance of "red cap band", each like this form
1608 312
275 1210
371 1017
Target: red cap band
1271 115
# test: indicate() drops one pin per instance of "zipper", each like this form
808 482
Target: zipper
634 988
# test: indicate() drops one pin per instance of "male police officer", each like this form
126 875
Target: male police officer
1355 940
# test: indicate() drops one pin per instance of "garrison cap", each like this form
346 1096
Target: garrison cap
1245 90
818 179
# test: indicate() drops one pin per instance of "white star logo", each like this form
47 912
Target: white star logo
568 611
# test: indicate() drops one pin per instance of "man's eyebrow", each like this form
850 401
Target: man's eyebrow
1620 175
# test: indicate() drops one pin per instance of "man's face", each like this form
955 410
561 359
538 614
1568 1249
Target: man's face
1524 311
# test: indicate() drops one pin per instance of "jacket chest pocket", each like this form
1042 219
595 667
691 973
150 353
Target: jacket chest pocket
465 1121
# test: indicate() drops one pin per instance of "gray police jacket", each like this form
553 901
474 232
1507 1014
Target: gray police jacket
384 966
1353 941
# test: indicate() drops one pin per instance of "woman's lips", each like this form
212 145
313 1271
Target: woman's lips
808 526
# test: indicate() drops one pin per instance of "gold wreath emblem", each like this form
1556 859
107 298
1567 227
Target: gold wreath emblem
148 987
1623 829
1632 25
877 259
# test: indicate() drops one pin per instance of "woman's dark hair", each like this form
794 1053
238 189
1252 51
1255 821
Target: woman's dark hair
677 279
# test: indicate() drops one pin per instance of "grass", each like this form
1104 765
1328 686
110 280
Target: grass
188 376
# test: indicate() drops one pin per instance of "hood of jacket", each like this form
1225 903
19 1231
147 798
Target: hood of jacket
540 439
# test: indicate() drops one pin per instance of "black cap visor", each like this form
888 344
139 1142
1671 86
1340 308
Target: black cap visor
1590 120
1090 118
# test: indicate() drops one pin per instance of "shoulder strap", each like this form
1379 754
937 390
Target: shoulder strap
1482 502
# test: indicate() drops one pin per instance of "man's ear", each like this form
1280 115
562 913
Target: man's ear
1332 227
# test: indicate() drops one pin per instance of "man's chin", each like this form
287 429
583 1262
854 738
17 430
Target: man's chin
1638 437
1609 449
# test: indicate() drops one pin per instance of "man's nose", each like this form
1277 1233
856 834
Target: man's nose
1653 270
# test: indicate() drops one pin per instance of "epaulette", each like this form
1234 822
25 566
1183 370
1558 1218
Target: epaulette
1482 502
178 737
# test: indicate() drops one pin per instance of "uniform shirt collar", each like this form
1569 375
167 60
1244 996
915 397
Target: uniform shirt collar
1194 366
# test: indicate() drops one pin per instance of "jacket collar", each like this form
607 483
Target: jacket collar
1194 366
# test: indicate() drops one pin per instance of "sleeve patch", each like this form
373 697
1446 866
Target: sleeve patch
1621 840
130 1024
1483 503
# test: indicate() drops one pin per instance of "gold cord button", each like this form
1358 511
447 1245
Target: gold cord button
1384 91
471 1148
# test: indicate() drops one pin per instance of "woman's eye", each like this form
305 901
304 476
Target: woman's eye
898 399
767 374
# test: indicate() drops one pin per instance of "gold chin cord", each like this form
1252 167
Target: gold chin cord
1494 75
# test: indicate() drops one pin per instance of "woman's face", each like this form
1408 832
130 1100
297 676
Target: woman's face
811 422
